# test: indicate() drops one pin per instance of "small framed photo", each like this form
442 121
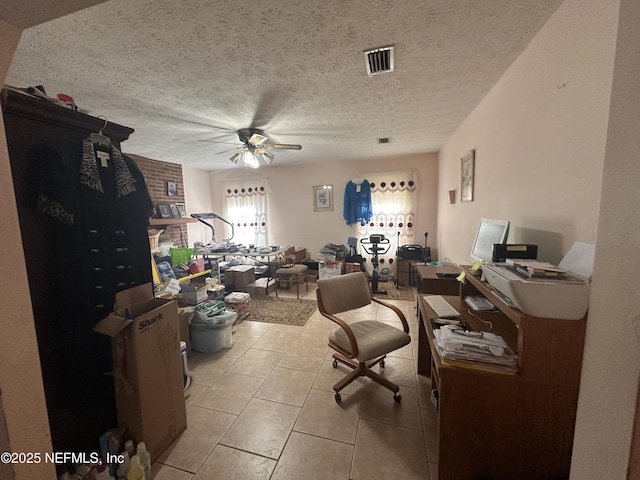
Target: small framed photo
182 211
322 198
165 211
174 211
466 176
172 189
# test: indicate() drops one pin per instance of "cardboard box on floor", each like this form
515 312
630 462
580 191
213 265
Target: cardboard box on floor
261 287
239 276
147 367
295 254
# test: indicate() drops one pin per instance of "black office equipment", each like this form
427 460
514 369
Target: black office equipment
411 252
502 251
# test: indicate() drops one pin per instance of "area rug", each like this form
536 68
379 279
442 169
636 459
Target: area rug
394 293
287 311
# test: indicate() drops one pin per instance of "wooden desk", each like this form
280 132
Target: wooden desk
429 282
407 272
500 426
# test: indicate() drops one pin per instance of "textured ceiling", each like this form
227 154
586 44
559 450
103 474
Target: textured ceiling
182 72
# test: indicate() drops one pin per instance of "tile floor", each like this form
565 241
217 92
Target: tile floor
265 409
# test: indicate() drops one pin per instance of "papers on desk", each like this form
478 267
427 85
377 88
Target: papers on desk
476 350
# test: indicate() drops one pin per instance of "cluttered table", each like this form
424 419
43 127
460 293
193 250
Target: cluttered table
273 257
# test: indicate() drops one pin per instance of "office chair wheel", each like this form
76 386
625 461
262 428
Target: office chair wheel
335 363
338 398
397 397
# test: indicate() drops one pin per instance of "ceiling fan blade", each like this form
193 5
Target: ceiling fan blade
228 150
283 146
216 141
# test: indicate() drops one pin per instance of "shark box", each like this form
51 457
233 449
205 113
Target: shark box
147 367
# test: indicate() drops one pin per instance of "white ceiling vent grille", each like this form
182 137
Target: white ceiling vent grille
379 60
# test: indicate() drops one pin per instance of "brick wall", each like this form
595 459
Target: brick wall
157 174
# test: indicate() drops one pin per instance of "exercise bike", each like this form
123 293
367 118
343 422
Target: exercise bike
374 246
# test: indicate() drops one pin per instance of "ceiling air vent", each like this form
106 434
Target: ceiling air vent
379 60
384 140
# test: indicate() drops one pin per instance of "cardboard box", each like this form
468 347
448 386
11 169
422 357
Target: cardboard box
239 276
194 292
328 269
260 287
147 367
295 254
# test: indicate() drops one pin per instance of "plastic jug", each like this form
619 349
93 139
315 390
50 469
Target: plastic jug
136 471
145 458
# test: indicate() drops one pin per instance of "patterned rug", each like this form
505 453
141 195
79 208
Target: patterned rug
288 311
394 293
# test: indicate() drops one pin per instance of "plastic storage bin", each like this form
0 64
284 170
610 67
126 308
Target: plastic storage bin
213 334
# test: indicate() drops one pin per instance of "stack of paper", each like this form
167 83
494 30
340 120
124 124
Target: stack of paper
477 350
532 268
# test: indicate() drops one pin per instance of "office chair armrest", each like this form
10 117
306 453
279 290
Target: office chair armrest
347 329
405 325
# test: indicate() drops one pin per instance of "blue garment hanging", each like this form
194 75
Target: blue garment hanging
357 202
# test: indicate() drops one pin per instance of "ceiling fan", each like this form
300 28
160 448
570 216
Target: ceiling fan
255 146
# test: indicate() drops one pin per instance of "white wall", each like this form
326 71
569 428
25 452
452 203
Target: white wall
561 167
22 399
293 221
611 368
539 137
197 199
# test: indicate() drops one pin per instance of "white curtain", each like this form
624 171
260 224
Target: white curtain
247 207
393 198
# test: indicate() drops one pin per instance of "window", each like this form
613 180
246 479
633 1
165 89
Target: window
393 199
247 207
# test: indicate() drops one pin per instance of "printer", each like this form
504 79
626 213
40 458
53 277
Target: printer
565 298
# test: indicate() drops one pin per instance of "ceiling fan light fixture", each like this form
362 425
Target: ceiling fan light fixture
268 157
250 160
235 158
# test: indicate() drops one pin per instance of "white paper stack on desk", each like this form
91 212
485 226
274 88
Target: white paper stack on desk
476 350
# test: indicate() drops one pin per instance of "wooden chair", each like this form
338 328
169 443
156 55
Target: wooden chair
359 342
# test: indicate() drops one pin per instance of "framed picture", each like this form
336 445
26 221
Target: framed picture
466 176
165 211
172 189
182 211
174 211
322 198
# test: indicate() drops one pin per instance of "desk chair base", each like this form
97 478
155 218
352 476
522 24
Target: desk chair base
361 369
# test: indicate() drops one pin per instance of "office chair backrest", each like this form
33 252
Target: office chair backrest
342 293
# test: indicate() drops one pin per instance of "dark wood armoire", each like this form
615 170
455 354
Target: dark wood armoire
78 413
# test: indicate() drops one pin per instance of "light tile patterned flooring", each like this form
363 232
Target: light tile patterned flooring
265 409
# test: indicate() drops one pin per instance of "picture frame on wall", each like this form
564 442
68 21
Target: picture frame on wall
172 189
467 172
174 210
182 211
164 211
322 198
